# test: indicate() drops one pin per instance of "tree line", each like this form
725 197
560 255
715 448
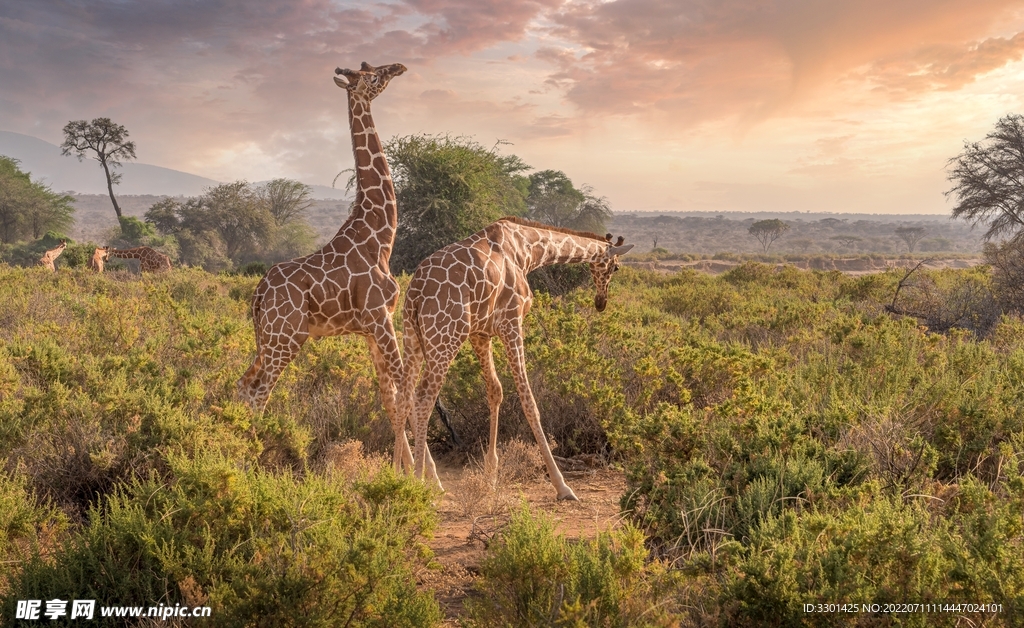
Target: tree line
447 188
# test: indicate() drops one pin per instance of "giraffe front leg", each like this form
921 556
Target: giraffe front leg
384 353
388 363
482 348
512 338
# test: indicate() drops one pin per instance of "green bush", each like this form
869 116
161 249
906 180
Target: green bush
260 548
535 577
774 424
28 527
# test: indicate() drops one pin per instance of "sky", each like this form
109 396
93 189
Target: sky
658 105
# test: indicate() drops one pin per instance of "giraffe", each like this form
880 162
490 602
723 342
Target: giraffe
476 289
150 260
99 257
51 256
345 287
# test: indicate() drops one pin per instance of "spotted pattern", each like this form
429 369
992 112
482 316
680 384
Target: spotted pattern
150 261
51 256
474 290
345 287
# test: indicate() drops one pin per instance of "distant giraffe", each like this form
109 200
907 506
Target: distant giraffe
51 256
346 287
150 261
99 257
476 289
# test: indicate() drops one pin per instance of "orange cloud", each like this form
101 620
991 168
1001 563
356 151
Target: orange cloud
943 66
700 59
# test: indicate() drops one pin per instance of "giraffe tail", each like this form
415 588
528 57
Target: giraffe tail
410 327
257 323
244 385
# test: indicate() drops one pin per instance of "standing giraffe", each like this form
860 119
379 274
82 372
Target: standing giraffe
345 287
476 289
51 256
99 257
150 261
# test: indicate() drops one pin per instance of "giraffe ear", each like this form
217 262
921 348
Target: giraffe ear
619 250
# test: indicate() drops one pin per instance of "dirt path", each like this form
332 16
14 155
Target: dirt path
470 515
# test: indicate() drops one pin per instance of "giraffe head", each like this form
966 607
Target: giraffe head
367 81
602 269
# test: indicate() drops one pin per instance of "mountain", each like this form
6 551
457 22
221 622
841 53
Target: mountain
66 174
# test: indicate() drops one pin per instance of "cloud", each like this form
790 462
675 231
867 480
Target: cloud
465 26
943 66
692 60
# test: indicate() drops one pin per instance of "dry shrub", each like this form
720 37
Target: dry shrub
348 460
1007 261
76 462
332 418
899 454
944 301
477 494
518 461
474 494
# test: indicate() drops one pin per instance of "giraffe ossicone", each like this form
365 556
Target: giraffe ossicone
476 289
346 287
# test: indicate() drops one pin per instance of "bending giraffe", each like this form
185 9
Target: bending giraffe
476 289
150 260
345 287
51 256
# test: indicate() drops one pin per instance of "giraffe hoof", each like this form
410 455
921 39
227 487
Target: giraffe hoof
568 497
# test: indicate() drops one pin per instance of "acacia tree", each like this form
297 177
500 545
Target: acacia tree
768 231
988 179
448 188
910 235
846 240
988 185
286 200
109 143
554 200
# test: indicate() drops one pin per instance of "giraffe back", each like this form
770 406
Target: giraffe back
150 260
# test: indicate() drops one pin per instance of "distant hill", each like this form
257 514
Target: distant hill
67 174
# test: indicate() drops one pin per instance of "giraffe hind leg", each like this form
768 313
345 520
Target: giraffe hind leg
437 363
278 341
388 363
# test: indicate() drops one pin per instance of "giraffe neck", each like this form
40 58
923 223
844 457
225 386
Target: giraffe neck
375 191
125 254
536 247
